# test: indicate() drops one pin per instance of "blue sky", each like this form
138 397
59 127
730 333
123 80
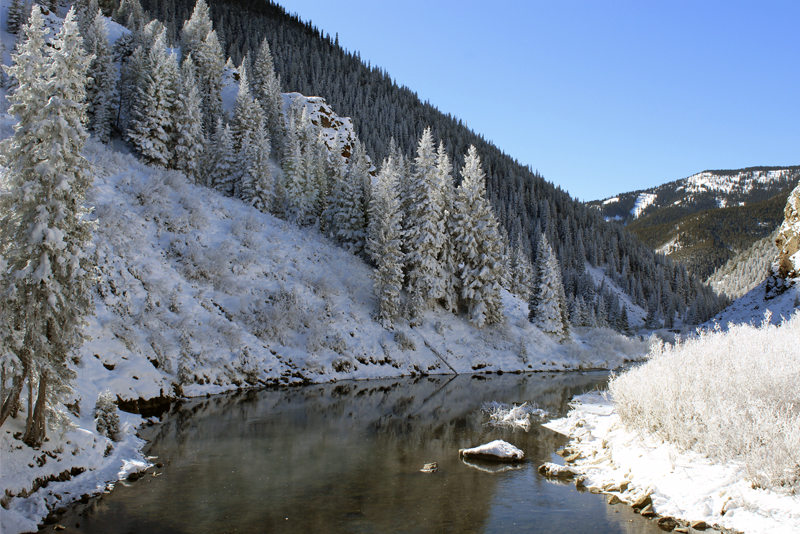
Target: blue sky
601 97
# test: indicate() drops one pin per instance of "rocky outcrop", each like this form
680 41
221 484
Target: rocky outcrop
788 240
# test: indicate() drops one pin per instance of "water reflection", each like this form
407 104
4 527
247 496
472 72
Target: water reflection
346 458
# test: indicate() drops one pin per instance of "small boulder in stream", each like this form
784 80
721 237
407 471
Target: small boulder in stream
496 451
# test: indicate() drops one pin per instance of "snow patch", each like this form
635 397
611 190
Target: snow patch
642 202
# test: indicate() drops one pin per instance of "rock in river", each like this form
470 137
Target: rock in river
497 450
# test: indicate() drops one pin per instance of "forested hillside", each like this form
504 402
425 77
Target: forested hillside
525 204
706 219
705 240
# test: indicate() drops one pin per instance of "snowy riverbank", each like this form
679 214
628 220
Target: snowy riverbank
709 429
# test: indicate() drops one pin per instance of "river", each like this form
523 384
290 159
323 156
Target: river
346 458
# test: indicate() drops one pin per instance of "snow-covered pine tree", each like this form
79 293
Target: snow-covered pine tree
653 319
550 308
102 79
267 89
334 173
195 29
223 161
300 167
190 141
18 11
477 244
349 204
42 230
260 172
520 268
423 230
321 173
247 113
447 257
85 13
210 63
130 11
383 243
151 129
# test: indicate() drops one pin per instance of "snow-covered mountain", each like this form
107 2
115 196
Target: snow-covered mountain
705 190
706 219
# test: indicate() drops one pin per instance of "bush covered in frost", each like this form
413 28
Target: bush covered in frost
729 395
106 416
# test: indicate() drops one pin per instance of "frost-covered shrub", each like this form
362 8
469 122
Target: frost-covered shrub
501 414
403 341
106 417
278 316
730 396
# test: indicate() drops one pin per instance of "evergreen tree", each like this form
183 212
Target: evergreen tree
349 221
196 29
210 63
101 83
42 230
477 244
423 231
152 127
383 243
247 113
447 257
267 89
550 306
190 141
222 168
300 168
260 172
18 11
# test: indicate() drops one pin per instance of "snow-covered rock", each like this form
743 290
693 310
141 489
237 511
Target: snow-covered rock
497 450
788 240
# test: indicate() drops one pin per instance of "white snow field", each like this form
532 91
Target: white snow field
710 428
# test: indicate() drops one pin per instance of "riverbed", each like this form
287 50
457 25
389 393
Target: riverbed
346 457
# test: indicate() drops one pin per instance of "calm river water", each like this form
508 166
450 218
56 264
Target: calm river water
345 458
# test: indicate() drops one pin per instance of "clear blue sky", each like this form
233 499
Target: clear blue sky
601 97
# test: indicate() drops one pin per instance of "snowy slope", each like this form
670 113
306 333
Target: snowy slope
752 307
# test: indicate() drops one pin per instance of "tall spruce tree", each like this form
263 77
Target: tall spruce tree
101 79
383 243
190 140
423 230
46 279
267 90
152 127
477 242
550 313
447 257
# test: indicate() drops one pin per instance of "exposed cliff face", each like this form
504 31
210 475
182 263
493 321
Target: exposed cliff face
788 240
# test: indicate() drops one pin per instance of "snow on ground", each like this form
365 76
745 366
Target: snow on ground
682 484
642 202
750 308
742 182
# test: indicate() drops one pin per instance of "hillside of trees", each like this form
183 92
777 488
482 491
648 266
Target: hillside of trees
525 204
704 241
